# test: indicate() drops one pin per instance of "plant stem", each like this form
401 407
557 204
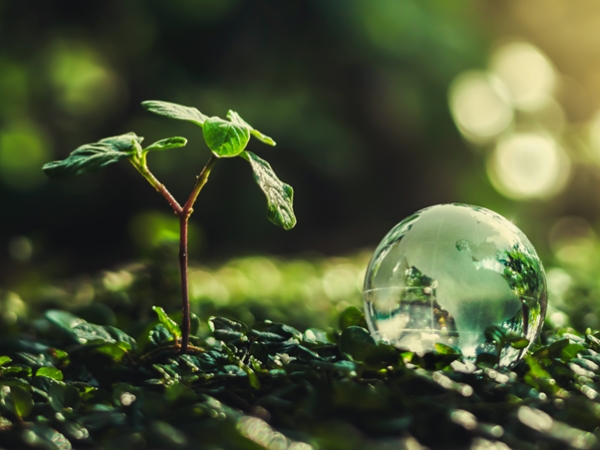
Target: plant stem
183 213
202 179
183 271
149 176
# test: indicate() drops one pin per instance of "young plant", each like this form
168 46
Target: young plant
225 139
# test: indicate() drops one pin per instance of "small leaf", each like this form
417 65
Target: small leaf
223 323
175 111
20 401
167 144
47 438
49 372
352 316
224 138
236 119
112 350
443 349
356 343
571 351
520 343
167 322
4 360
90 158
252 377
280 196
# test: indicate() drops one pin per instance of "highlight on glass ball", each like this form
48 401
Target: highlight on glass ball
457 275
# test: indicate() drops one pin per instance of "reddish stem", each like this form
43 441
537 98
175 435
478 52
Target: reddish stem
183 213
183 270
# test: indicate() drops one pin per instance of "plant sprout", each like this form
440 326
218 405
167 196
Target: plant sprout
225 139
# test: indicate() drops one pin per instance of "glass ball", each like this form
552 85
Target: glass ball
448 275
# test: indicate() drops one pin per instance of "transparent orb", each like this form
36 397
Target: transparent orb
449 272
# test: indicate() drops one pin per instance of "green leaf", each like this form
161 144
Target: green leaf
4 360
356 343
63 320
90 158
47 438
112 350
19 401
49 372
352 316
167 144
571 351
443 349
520 343
224 138
280 196
236 119
175 111
167 322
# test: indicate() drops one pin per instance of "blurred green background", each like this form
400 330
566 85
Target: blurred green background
379 108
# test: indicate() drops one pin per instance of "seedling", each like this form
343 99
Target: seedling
225 139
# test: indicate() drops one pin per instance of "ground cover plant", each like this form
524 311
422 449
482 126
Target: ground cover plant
70 383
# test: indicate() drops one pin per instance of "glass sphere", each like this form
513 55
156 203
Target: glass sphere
449 274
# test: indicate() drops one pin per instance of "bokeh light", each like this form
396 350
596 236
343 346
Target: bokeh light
20 248
83 81
24 147
527 74
151 229
480 106
14 90
594 133
572 241
528 165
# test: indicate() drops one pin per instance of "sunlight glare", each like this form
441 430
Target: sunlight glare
526 72
480 106
528 165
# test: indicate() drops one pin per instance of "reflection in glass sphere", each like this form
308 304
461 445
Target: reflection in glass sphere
446 274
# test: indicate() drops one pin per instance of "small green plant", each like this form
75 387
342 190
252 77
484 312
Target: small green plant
225 139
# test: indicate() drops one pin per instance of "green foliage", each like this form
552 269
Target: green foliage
241 386
175 111
224 138
238 121
90 158
167 322
49 372
352 316
280 196
167 144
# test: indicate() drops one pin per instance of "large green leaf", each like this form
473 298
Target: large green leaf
225 139
175 111
166 144
237 120
64 320
280 196
90 158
